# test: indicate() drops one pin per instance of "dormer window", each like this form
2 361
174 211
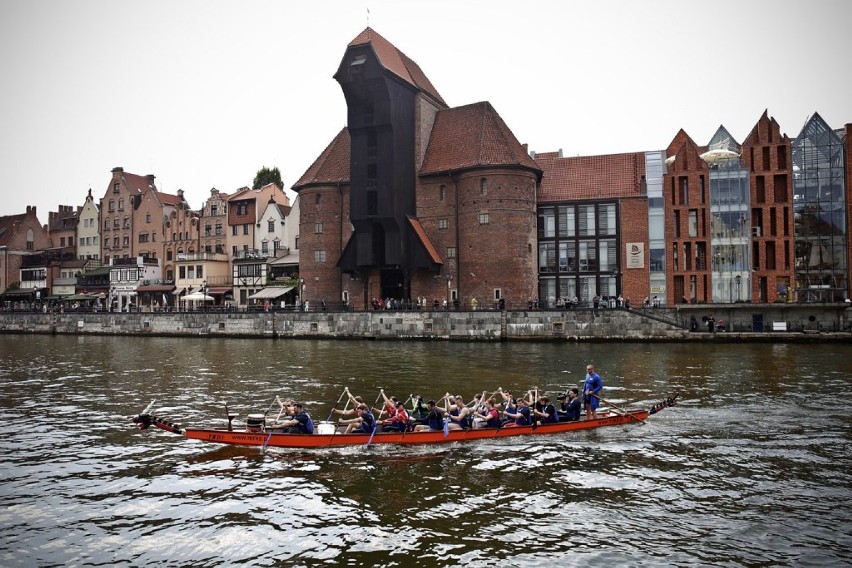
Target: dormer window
356 67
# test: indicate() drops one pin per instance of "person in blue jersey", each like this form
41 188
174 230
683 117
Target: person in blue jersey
458 412
547 413
509 405
521 416
363 423
488 417
571 405
301 422
591 390
434 419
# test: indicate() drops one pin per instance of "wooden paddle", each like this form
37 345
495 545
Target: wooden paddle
331 412
623 412
376 422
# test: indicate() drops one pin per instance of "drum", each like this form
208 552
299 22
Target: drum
255 422
326 428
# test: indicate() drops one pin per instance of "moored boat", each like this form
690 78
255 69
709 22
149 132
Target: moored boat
260 431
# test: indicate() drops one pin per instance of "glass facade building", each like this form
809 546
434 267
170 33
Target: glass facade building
819 207
654 169
730 228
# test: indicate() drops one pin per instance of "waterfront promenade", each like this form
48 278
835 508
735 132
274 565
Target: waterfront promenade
795 323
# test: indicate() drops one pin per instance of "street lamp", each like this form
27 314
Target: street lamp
204 294
738 277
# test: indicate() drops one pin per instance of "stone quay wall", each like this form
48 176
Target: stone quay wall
533 325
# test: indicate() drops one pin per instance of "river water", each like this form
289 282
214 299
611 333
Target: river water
750 469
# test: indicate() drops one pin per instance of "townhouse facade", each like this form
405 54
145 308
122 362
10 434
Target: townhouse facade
89 232
423 202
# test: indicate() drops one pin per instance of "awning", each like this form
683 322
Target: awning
218 291
270 293
159 288
196 297
21 292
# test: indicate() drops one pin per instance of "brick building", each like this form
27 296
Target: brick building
593 227
21 237
762 221
413 199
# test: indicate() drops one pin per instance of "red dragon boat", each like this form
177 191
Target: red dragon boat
261 431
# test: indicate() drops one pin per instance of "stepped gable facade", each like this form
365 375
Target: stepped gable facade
414 199
123 194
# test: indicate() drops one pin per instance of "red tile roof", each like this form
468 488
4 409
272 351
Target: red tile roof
425 240
590 177
397 62
472 136
332 165
134 182
239 194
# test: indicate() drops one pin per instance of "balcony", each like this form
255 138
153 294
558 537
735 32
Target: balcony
251 254
202 256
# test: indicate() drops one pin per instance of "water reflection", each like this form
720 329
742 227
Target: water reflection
751 469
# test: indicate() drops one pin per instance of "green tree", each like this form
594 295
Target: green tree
266 176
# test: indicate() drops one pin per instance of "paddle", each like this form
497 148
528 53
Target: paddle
623 412
532 412
376 423
331 412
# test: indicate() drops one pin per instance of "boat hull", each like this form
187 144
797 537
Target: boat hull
281 440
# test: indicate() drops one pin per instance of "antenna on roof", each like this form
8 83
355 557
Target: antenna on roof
368 16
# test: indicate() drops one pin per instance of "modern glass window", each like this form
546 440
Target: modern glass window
546 224
567 221
606 255
567 256
606 219
587 256
587 220
547 257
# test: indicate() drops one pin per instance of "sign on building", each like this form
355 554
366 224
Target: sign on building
635 255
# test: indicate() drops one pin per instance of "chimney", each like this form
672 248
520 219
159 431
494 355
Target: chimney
150 181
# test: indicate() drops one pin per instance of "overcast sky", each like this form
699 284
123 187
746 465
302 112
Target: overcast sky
204 93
